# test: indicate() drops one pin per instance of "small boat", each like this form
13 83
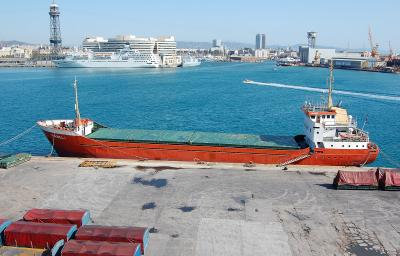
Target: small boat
287 62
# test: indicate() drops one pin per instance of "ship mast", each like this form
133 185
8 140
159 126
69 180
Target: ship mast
78 115
330 101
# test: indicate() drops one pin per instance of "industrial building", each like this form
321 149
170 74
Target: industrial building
353 63
164 46
310 55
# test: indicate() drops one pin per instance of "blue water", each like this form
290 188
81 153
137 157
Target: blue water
211 97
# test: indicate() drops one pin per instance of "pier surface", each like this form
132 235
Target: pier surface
214 209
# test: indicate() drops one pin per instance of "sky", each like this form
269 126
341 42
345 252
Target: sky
339 23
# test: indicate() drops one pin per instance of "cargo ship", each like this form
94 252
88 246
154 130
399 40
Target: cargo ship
331 137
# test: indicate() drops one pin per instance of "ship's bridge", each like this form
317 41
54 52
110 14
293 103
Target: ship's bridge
332 128
334 116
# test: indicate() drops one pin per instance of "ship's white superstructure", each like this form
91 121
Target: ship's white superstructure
125 58
331 127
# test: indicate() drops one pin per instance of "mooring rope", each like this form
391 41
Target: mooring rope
52 147
17 136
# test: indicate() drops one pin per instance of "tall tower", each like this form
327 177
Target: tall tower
260 41
312 38
55 30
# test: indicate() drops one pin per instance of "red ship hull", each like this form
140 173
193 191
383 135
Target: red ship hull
80 146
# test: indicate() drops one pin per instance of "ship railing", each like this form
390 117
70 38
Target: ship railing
315 107
352 124
357 136
353 139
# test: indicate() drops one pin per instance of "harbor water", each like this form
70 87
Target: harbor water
211 97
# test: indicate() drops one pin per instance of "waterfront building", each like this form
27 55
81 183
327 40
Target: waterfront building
261 53
260 41
354 62
166 48
217 43
5 52
348 54
16 52
217 47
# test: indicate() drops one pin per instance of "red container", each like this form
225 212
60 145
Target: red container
391 179
77 217
94 248
3 225
37 235
356 179
114 234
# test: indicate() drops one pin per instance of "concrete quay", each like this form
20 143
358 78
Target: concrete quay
214 209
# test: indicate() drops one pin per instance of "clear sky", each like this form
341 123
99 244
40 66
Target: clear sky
340 23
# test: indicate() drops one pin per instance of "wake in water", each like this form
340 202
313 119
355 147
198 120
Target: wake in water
311 89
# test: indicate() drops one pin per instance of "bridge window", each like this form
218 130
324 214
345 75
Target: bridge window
312 117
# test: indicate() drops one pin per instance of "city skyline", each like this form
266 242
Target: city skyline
284 24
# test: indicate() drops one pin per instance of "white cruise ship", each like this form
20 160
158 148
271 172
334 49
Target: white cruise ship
164 47
125 58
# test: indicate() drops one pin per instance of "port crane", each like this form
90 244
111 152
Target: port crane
317 58
374 47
